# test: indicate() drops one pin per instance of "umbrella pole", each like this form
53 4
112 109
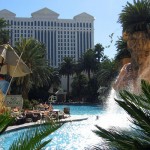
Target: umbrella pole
13 75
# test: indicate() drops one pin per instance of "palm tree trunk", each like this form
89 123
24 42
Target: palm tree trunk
68 82
89 76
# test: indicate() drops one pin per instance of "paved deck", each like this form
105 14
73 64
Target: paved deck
32 124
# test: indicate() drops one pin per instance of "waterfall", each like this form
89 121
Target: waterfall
114 115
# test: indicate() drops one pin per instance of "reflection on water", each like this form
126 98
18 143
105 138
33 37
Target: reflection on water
79 135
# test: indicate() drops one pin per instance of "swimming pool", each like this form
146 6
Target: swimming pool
72 135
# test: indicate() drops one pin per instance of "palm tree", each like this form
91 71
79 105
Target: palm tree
135 17
4 34
31 140
78 67
79 86
89 62
99 50
66 69
122 50
33 54
107 73
138 107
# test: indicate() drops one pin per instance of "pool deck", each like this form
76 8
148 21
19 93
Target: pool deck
32 124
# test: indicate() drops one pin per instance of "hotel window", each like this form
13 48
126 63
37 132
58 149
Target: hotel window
28 23
67 24
86 24
90 25
18 23
11 22
34 23
24 23
31 23
83 24
58 24
48 23
41 23
45 23
80 24
38 23
61 24
52 24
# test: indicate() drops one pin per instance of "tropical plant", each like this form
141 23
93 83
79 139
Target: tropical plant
33 54
138 107
34 139
5 121
122 50
107 72
66 69
135 17
79 86
89 62
92 87
78 67
99 51
55 78
4 34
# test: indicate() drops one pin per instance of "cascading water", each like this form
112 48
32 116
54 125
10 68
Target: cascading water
114 115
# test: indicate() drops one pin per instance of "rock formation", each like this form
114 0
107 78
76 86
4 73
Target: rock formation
139 68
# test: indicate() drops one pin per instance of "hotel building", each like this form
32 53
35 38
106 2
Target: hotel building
62 37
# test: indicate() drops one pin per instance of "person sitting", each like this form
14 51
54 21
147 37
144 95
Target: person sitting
4 85
50 107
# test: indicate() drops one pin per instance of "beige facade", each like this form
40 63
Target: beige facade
62 37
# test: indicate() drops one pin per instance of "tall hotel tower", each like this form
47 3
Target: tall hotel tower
62 37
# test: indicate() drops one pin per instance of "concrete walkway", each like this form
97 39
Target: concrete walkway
32 124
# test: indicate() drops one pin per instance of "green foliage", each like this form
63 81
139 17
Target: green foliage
29 104
79 86
99 51
33 55
4 34
89 62
122 50
135 17
67 69
107 72
5 121
34 139
138 107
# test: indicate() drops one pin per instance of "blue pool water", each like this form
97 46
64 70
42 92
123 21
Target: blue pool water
72 135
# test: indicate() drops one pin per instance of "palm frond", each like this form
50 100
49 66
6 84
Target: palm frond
138 108
33 139
5 121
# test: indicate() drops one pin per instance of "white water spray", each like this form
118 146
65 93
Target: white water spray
114 115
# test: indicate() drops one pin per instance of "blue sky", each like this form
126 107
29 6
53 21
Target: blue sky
105 12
